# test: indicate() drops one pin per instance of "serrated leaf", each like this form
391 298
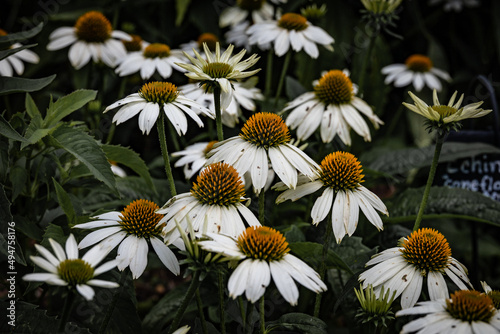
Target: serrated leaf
7 131
35 132
9 39
55 232
128 157
444 200
65 202
5 53
401 161
9 85
85 149
311 252
65 105
31 107
299 323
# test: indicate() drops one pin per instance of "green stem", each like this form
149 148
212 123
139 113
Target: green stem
269 73
242 313
68 305
222 305
200 310
195 282
173 137
322 265
423 204
364 65
262 205
163 144
111 307
218 113
286 63
262 315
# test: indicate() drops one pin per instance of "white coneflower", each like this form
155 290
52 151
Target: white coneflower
14 62
424 254
417 70
340 177
132 229
264 137
91 38
263 253
333 107
67 269
156 97
291 30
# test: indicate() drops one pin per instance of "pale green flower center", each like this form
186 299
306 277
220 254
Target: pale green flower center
470 306
75 271
219 184
159 92
444 111
428 250
93 27
250 4
217 70
156 50
292 21
263 243
140 219
334 87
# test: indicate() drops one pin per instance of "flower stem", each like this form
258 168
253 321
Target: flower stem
200 310
286 63
111 307
435 159
68 305
262 315
222 305
322 265
262 205
195 282
364 65
269 73
242 314
218 113
163 144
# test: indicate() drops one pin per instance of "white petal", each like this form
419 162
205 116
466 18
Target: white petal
284 282
86 291
259 279
322 206
139 261
166 256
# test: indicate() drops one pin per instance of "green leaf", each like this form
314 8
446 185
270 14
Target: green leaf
311 252
85 149
30 319
66 105
65 202
7 131
10 85
401 161
18 177
53 232
299 323
5 53
444 200
31 107
5 215
164 310
10 39
181 7
128 157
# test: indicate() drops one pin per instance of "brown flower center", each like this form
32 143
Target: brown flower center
140 218
334 87
265 130
93 27
263 243
419 63
292 21
341 171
